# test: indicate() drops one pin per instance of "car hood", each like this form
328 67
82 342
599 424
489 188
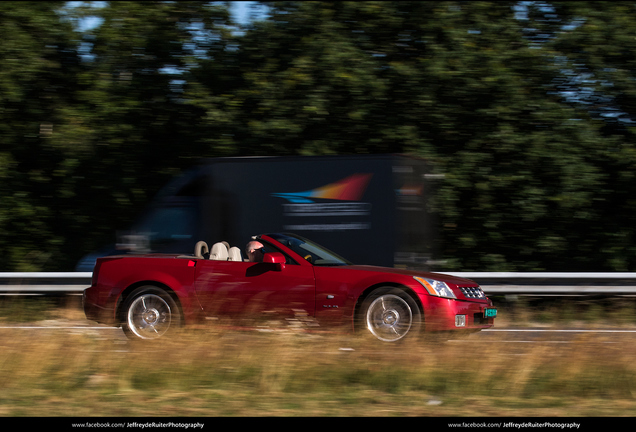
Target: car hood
430 275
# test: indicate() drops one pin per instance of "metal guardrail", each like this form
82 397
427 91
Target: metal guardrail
493 283
554 283
40 283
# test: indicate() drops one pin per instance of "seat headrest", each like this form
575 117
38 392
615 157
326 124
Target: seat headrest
219 252
235 254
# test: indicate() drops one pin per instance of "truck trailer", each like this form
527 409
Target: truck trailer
372 209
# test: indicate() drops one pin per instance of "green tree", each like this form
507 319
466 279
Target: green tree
93 123
513 102
38 69
597 50
456 82
131 129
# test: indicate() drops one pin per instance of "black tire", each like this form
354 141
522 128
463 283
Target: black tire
149 313
390 315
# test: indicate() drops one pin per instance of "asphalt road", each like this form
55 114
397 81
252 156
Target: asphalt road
494 335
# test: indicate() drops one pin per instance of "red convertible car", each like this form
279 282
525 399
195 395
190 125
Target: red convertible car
151 295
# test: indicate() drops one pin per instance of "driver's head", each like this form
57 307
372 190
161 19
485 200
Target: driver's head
254 251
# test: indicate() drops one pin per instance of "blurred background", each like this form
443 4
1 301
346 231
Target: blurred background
526 108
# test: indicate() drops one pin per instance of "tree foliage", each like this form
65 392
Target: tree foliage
37 85
524 107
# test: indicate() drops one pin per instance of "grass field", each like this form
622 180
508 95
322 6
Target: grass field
214 372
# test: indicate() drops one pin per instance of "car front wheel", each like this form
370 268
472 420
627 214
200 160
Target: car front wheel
391 315
149 313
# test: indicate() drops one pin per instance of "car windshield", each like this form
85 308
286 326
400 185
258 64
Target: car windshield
312 252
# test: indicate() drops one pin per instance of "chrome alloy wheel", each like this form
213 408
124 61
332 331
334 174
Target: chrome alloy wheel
389 318
149 316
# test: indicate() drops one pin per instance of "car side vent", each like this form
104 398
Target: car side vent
473 292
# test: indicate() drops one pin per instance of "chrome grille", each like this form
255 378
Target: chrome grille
473 292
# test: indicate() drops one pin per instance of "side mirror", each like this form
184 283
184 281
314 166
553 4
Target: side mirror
276 258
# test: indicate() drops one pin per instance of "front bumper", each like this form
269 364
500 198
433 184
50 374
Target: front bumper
450 314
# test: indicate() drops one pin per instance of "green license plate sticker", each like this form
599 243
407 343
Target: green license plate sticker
490 312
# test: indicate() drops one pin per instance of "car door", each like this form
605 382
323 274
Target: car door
255 290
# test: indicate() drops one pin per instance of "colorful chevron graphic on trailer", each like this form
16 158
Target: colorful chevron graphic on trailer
348 189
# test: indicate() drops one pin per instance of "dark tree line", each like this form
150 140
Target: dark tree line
525 107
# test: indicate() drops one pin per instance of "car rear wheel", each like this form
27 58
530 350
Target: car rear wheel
149 313
391 315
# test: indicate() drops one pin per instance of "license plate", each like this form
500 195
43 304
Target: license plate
490 312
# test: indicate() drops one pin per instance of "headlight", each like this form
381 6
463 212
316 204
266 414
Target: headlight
435 287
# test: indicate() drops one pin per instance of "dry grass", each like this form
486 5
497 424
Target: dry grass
213 372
